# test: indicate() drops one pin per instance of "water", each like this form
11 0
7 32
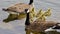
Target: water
17 26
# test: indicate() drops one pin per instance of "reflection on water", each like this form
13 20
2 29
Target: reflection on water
11 17
44 4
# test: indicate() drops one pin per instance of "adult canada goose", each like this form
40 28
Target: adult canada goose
12 17
39 26
20 7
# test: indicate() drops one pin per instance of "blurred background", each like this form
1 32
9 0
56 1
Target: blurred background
17 26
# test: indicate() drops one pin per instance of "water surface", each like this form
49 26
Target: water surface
17 26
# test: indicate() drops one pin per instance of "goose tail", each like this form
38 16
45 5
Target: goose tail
57 26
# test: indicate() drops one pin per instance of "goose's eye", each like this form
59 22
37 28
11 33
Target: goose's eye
26 10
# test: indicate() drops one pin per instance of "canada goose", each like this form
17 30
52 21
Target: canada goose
20 7
39 26
20 16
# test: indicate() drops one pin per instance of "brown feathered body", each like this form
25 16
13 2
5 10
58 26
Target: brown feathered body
40 26
20 7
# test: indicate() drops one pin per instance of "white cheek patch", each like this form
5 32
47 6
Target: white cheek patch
12 12
28 11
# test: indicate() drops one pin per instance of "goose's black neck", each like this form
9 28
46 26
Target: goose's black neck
27 22
31 1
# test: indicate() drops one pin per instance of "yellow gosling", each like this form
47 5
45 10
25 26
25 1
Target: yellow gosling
48 12
39 13
42 15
